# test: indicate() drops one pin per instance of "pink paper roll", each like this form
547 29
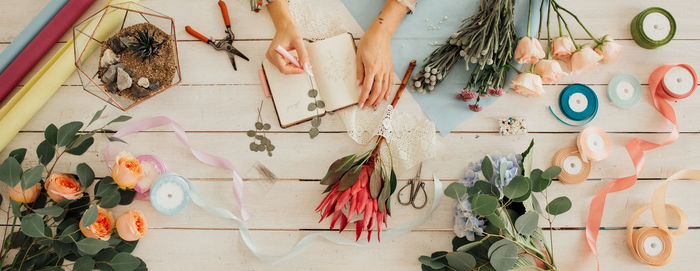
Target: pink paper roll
41 44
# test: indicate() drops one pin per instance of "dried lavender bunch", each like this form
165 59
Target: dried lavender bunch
486 42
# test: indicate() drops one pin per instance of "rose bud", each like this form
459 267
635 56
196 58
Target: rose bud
562 47
102 228
584 59
550 70
529 50
609 49
63 186
26 196
527 84
126 171
131 226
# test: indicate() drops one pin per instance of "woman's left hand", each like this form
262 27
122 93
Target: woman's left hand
374 66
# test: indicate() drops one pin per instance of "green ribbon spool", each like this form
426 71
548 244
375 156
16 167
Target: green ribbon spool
653 28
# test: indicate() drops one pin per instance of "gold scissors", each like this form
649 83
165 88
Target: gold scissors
416 186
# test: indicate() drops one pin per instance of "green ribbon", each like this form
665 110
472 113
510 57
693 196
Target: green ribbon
642 38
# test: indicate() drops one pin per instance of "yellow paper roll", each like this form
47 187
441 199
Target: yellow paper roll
44 84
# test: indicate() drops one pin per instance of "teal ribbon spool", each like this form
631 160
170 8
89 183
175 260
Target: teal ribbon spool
624 91
170 193
653 28
577 102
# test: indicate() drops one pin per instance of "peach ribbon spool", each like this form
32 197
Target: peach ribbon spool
574 168
593 144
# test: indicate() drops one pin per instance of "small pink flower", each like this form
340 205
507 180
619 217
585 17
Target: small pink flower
550 70
496 92
584 59
483 95
562 47
466 95
529 50
609 49
475 108
527 84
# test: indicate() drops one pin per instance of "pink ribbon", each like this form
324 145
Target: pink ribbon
636 148
206 158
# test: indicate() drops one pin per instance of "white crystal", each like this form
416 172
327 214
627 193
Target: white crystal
143 82
108 58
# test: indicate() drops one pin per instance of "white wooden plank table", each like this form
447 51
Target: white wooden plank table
216 106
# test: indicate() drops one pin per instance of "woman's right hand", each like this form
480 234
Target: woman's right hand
289 37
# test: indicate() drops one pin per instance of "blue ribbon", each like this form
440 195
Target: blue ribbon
244 231
613 93
581 117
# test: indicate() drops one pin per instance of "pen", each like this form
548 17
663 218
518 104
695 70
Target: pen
293 60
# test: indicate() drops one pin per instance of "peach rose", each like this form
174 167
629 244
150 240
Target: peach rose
550 70
61 187
131 226
102 228
609 49
528 84
584 59
126 171
529 50
26 196
562 47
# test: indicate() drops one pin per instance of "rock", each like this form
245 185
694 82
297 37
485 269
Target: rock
139 92
129 72
108 58
124 81
111 73
116 44
143 82
154 86
112 87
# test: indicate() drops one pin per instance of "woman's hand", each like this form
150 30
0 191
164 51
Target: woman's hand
375 67
287 36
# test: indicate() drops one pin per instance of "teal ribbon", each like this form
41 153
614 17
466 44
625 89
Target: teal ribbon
332 236
582 117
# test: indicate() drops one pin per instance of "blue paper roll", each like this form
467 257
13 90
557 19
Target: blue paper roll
29 32
577 102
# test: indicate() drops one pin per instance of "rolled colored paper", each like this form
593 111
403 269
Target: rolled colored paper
41 44
666 83
29 32
44 84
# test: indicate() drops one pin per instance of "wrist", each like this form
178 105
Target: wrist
379 31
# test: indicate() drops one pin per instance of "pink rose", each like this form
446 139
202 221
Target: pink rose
527 84
126 171
61 187
562 47
24 196
584 59
609 49
131 226
550 70
529 50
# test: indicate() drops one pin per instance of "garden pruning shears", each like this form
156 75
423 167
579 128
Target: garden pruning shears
416 186
225 44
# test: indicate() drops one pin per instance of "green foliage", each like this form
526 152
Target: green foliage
461 261
484 204
526 224
455 191
90 216
33 225
85 174
487 168
559 206
261 142
145 45
91 246
67 133
518 187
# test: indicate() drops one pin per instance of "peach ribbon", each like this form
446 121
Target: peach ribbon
660 95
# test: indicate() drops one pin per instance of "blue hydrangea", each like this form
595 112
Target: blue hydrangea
467 223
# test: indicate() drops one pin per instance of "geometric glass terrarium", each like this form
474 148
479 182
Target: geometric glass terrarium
126 53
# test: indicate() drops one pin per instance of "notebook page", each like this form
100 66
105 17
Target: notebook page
334 67
290 92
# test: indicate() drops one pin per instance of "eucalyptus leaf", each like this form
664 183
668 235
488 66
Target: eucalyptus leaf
91 246
384 196
551 173
113 139
85 263
51 134
461 261
66 133
484 188
82 148
105 188
313 93
85 175
110 199
498 244
90 216
124 261
517 187
258 125
97 115
313 132
484 204
559 206
11 172
393 182
316 121
311 107
250 133
320 104
526 224
434 264
267 126
33 225
52 211
70 234
45 152
471 245
81 139
540 184
487 168
536 205
32 176
126 196
496 220
62 249
456 190
121 118
18 154
504 258
375 184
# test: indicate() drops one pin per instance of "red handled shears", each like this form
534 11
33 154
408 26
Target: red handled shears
225 44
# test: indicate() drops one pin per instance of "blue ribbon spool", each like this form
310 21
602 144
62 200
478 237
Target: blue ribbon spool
577 102
170 193
624 90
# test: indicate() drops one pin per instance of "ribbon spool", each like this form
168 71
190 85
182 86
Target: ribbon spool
678 82
577 102
574 168
652 245
170 194
653 28
624 91
593 144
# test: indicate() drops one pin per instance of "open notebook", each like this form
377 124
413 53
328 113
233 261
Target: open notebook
334 67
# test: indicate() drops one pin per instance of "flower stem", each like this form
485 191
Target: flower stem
556 9
549 37
579 22
529 15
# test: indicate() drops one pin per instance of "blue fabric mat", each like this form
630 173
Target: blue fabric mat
412 41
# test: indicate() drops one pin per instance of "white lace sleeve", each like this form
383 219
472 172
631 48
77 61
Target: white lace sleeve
411 4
